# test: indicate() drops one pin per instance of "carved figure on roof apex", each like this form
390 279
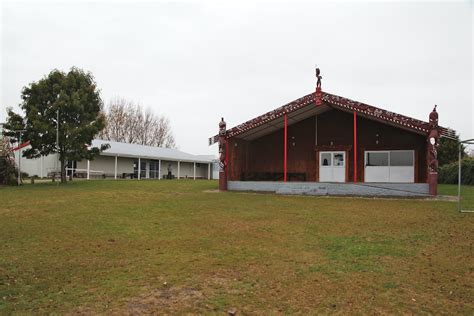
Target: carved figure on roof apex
318 75
318 95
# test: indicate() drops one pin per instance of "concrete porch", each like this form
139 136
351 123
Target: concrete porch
332 188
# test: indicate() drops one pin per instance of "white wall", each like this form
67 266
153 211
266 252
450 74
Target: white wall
215 170
106 165
187 170
39 167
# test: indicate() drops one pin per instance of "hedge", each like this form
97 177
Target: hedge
449 173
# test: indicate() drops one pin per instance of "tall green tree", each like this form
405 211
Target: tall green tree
448 150
63 105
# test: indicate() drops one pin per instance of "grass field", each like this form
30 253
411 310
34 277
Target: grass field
178 246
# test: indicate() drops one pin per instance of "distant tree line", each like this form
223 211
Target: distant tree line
448 158
449 172
448 150
128 122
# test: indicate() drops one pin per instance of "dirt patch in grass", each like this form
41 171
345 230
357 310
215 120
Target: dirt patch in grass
211 191
166 299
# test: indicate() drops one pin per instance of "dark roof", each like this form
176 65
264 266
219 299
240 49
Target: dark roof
337 102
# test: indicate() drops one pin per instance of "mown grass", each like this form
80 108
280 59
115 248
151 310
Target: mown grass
177 247
467 194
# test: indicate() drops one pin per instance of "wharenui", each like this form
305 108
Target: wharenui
325 144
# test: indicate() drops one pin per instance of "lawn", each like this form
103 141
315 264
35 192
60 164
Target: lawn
178 246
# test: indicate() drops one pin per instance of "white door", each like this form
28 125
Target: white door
332 166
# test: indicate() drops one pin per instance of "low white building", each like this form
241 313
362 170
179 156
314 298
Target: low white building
124 160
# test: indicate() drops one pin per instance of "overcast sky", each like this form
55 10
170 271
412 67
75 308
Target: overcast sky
195 62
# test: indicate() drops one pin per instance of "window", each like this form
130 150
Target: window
398 158
325 159
338 159
142 169
377 159
154 169
390 166
401 158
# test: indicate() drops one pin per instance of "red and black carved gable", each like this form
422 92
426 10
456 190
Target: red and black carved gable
337 102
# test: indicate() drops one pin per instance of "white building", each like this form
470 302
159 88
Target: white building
124 160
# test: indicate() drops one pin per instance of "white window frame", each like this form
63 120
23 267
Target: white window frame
389 166
402 150
321 159
332 158
332 166
376 152
343 155
389 156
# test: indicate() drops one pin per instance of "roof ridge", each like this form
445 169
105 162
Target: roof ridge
134 144
123 149
343 103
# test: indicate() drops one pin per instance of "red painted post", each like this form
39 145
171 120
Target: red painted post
355 146
234 160
285 154
227 173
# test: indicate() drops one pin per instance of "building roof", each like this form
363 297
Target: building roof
305 107
149 152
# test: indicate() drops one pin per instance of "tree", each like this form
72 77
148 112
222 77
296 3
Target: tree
448 150
127 122
8 171
67 103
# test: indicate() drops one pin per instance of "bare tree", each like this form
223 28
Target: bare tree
127 122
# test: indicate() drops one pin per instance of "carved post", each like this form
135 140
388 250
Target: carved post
432 157
318 95
222 156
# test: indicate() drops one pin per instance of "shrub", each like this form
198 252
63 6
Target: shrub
449 173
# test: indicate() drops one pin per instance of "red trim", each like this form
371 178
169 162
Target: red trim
285 154
355 146
234 154
318 97
226 158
